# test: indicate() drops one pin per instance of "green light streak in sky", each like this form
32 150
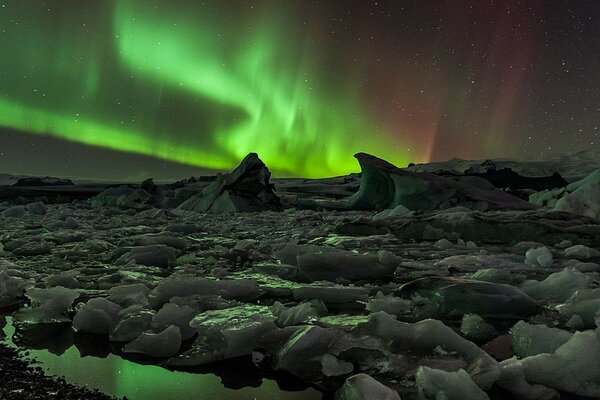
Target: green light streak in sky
102 135
201 89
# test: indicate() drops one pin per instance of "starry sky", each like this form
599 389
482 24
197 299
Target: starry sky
120 89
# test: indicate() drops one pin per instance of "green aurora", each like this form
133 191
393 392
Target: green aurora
185 84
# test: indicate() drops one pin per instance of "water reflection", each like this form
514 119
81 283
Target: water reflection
90 360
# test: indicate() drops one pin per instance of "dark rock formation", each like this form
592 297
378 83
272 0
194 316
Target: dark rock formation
245 189
507 178
42 181
149 186
489 165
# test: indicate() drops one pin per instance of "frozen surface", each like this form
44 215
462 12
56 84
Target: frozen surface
439 285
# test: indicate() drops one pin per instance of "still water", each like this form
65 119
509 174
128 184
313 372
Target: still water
88 361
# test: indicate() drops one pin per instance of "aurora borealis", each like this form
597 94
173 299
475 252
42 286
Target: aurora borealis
305 84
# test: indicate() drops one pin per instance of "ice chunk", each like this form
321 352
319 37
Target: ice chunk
572 368
453 297
15 212
390 304
131 322
558 286
301 355
526 245
240 326
204 302
228 333
388 258
539 256
581 266
290 252
160 239
364 387
184 228
563 244
98 316
157 255
70 223
159 345
580 197
443 244
529 339
172 314
398 211
332 366
430 334
180 286
127 295
496 275
334 264
342 321
66 279
435 384
245 189
476 262
333 295
584 303
475 328
37 208
303 313
513 380
581 252
47 305
575 322
11 289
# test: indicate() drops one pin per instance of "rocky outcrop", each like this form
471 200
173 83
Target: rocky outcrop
245 189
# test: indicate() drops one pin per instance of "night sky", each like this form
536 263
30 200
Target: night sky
115 89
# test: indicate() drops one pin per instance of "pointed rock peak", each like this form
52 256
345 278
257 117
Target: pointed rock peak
251 159
251 164
245 189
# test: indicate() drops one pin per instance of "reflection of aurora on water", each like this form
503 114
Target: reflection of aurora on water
119 377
